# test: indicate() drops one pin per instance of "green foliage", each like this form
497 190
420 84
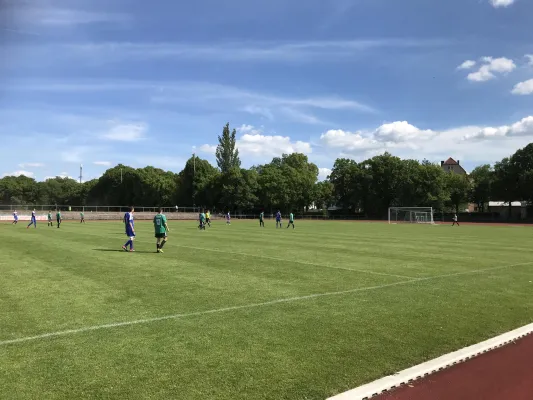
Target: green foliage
227 154
482 179
287 183
459 188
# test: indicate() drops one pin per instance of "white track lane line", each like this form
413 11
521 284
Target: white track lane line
242 307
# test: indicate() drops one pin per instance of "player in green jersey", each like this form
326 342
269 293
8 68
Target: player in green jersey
50 223
291 220
161 230
58 218
201 217
262 219
82 218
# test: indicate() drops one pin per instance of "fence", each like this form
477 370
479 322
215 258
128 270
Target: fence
88 209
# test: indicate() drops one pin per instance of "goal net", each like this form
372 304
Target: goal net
411 215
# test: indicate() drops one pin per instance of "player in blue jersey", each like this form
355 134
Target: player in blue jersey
278 219
262 219
33 220
130 230
228 219
15 218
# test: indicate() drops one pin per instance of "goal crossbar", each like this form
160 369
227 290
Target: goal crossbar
411 215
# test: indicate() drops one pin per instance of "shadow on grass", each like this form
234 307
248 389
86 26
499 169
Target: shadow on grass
122 251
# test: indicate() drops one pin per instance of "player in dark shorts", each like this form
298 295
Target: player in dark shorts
161 230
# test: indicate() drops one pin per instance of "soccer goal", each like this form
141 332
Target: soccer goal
411 215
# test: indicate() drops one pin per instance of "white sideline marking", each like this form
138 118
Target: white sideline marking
298 262
245 306
422 370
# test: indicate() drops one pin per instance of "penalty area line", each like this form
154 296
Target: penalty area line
244 306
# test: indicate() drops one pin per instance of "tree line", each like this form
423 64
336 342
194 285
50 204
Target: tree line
288 183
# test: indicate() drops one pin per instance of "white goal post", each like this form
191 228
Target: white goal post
411 215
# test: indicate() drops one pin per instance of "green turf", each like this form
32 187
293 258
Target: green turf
75 277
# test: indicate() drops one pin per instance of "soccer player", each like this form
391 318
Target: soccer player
208 218
58 218
130 230
201 218
455 221
161 229
278 219
228 219
33 220
50 223
262 219
291 220
15 218
82 218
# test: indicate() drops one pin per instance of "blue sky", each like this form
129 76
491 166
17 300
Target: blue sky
149 83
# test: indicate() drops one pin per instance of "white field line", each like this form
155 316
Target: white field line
242 307
364 271
422 370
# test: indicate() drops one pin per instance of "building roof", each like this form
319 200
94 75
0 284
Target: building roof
450 161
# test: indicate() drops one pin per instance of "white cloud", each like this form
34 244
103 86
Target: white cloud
401 131
523 88
467 64
530 59
501 3
299 116
102 163
207 148
129 132
46 15
266 51
523 128
270 146
254 144
395 134
348 141
435 144
31 165
246 128
202 94
323 173
256 110
491 66
19 173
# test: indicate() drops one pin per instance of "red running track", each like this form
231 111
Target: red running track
502 374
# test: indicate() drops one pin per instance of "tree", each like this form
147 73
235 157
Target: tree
227 153
195 183
342 178
482 178
459 189
323 194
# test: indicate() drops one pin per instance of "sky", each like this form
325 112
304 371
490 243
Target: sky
142 83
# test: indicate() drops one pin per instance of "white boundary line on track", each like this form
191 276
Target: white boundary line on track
430 367
245 306
364 271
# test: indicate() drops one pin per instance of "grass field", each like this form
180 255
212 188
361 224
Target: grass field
253 313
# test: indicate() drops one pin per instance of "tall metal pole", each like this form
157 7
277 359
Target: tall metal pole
81 172
193 177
